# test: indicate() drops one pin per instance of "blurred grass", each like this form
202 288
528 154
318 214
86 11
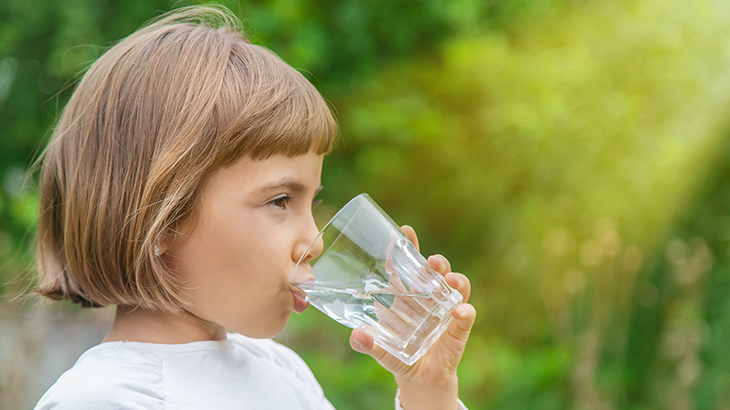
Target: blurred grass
569 156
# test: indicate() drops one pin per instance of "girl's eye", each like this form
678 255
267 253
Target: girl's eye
281 201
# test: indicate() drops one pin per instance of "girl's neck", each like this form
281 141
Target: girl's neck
134 324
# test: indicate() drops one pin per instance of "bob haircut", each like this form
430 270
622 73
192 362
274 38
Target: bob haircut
150 120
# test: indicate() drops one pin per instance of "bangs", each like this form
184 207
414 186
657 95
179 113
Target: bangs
270 108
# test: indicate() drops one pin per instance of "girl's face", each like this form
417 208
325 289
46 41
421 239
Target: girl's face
253 223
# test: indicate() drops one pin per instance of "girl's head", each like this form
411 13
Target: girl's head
148 125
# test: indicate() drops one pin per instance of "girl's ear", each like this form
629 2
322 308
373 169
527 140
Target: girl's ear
162 246
173 234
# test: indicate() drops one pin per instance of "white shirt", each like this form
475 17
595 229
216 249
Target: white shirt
237 373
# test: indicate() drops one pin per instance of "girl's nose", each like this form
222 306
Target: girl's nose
316 244
311 245
306 250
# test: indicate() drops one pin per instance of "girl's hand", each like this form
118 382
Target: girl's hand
431 383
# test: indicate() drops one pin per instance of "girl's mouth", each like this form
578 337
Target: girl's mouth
300 298
300 302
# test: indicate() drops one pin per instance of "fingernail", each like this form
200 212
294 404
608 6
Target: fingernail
357 345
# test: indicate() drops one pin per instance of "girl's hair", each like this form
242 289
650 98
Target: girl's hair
150 120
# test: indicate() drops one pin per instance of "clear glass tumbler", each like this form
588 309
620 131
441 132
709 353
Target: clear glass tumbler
370 275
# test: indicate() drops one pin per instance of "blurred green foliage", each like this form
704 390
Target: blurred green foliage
571 157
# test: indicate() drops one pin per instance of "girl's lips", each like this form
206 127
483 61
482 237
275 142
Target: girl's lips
299 296
300 303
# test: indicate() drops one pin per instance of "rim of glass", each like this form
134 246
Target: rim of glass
324 228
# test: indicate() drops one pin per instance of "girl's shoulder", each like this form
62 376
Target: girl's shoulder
104 378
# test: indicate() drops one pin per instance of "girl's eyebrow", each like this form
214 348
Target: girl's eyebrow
289 185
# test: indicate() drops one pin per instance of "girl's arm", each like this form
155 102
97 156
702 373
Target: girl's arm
431 383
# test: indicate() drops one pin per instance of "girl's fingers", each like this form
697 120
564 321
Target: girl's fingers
460 283
411 235
440 264
463 316
362 342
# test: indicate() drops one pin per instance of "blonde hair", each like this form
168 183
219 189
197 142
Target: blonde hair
149 121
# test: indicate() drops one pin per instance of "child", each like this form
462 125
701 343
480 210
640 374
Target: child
178 186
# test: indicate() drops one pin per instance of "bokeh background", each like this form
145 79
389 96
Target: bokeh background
572 157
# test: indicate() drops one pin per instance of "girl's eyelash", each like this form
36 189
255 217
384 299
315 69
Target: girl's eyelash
280 201
283 200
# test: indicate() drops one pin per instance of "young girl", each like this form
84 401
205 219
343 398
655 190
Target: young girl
178 186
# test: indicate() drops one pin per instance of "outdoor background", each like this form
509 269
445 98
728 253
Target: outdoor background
572 157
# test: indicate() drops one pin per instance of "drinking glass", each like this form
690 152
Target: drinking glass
370 275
